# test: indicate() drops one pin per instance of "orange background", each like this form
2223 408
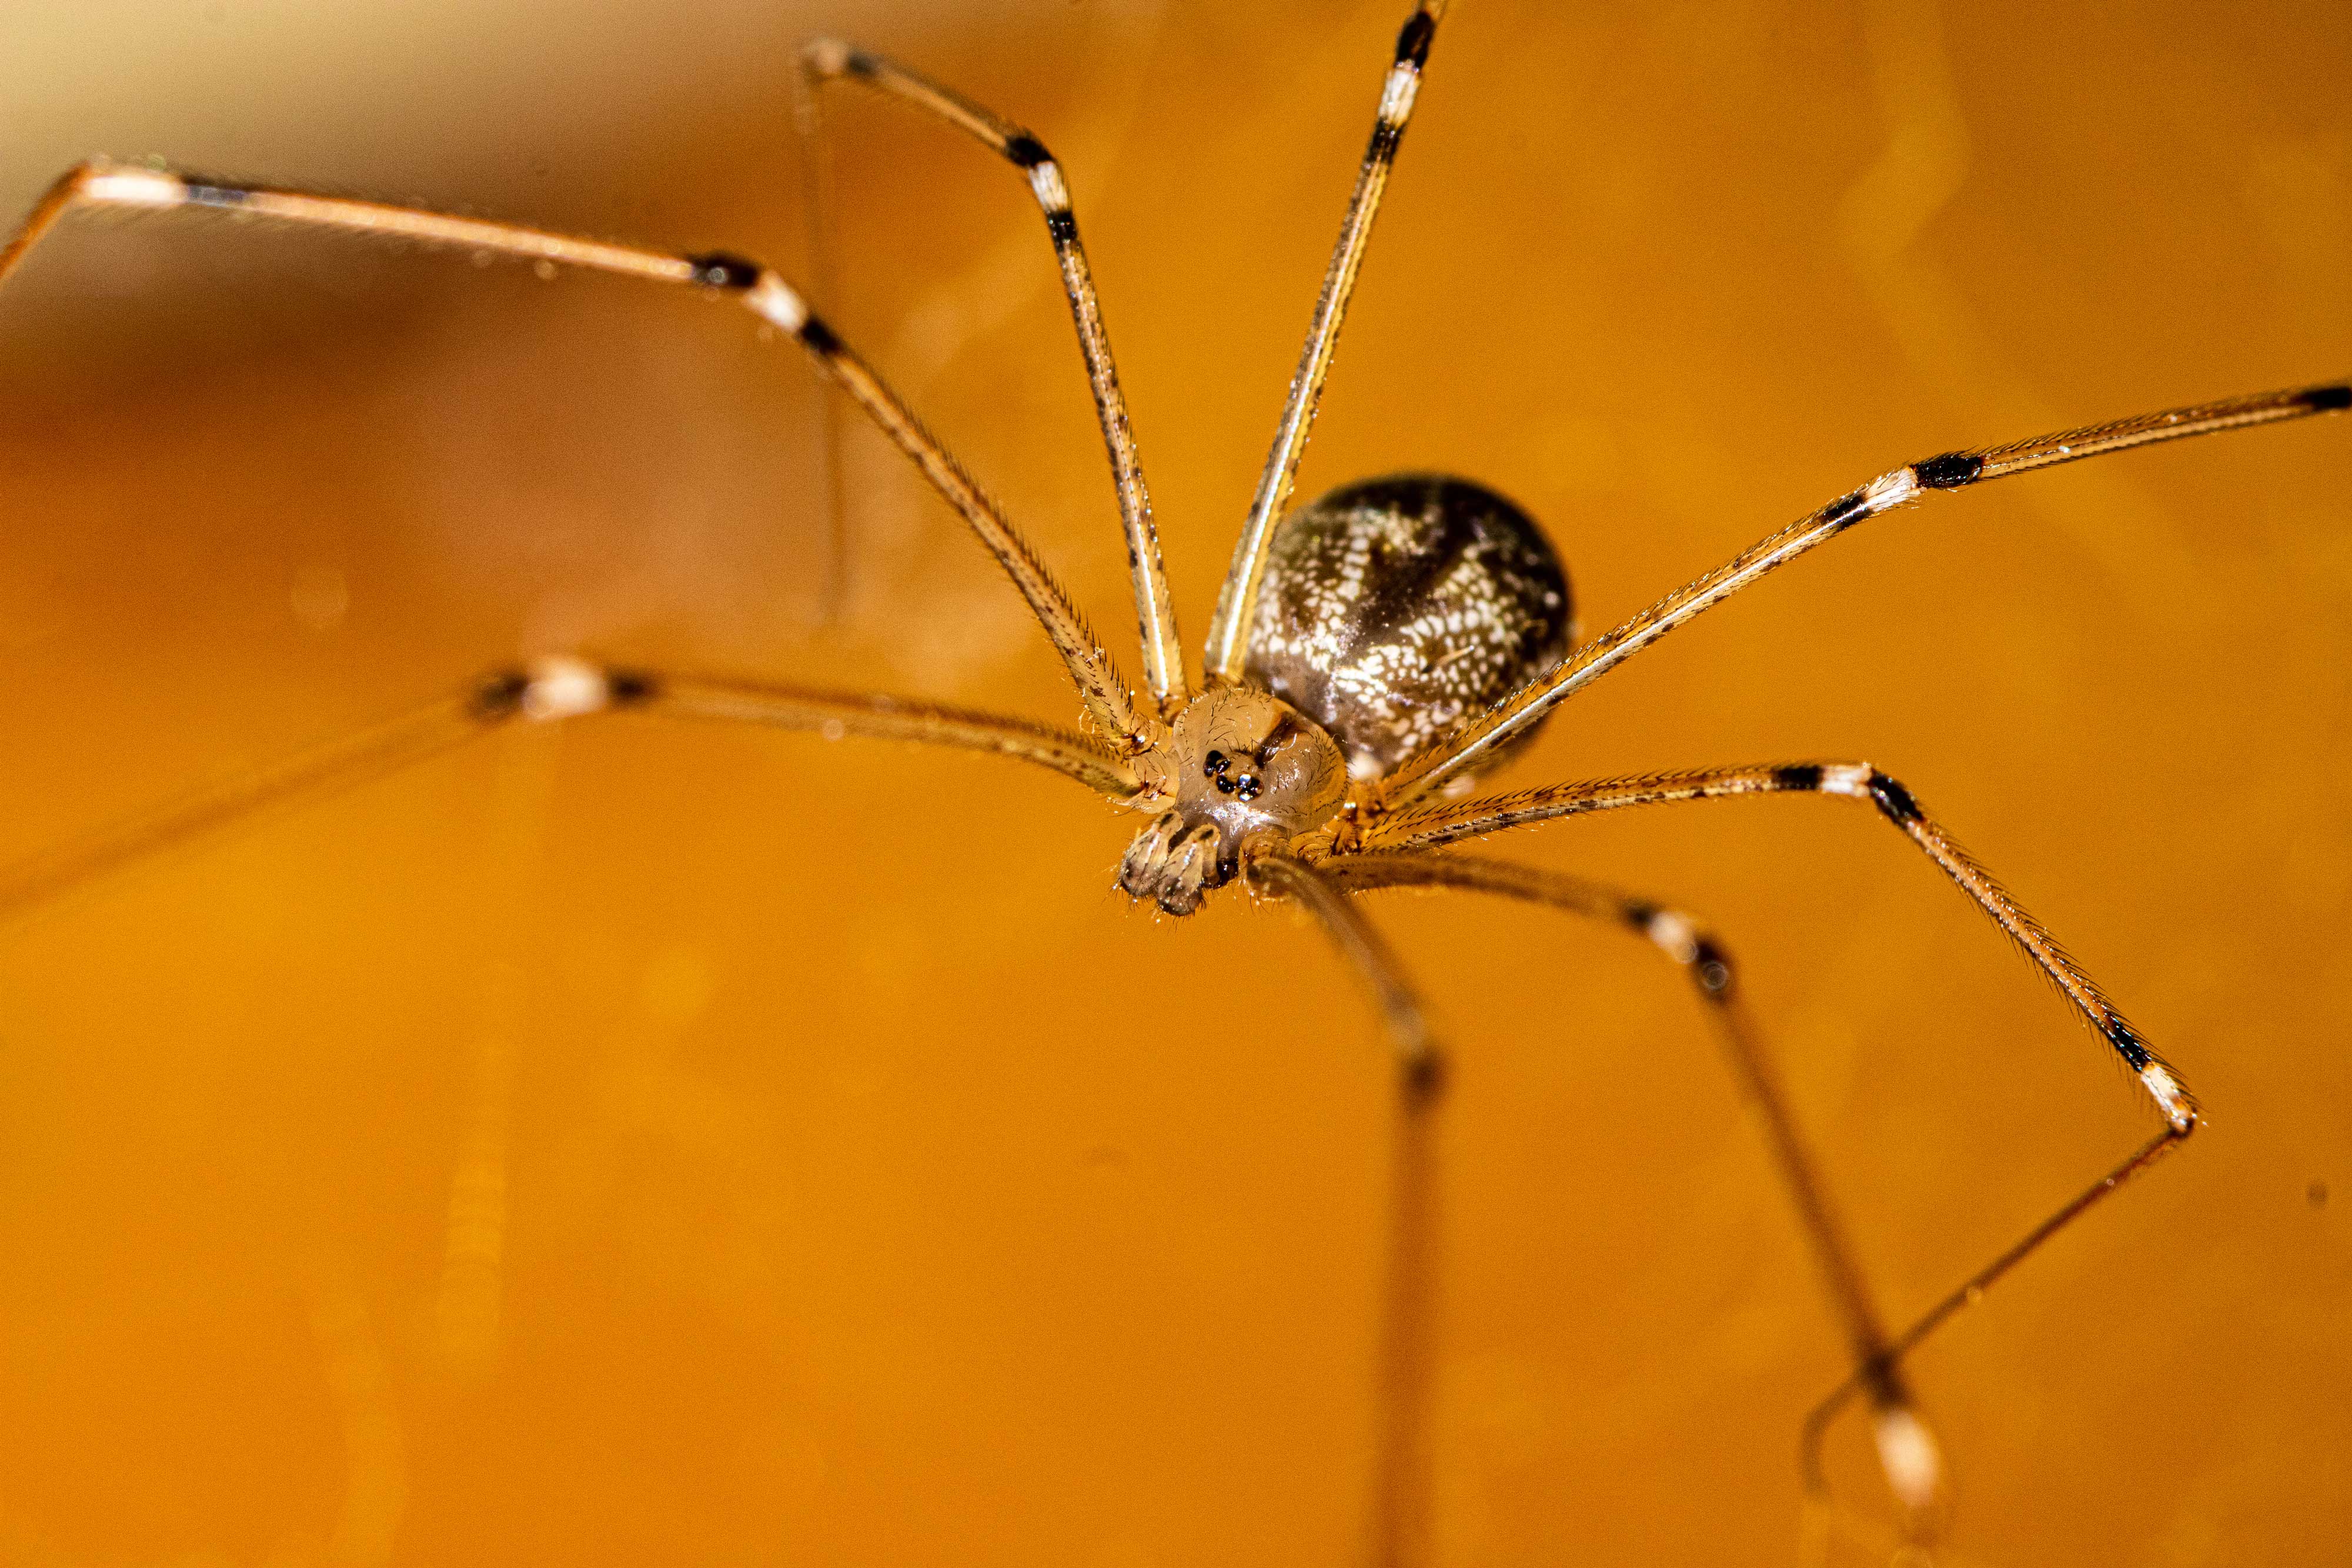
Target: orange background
652 1143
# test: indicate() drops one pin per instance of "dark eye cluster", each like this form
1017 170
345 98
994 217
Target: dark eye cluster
1246 785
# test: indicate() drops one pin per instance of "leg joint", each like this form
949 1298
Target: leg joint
723 269
559 687
1426 1073
822 60
1686 942
1857 781
1892 799
1949 470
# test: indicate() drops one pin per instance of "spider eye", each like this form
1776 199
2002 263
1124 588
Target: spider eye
1215 764
1225 785
1247 786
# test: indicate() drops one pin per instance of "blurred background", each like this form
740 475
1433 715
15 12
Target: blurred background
650 1142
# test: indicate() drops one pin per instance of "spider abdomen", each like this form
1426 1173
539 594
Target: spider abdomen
1393 609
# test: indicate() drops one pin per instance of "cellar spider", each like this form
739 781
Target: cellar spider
554 681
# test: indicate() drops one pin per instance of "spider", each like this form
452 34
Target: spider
1246 783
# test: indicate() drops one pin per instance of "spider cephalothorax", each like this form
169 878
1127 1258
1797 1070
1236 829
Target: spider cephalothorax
1245 770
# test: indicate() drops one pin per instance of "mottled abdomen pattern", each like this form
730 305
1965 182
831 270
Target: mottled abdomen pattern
1396 608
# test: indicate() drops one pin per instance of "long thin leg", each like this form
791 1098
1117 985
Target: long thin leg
1432 826
836 713
1400 1525
830 59
1970 1292
1237 600
1108 703
1474 742
818 181
1906 1449
545 691
372 753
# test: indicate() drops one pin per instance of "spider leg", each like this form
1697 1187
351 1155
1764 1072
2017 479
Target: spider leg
1432 826
546 691
1968 1293
1108 703
828 60
317 773
1906 1449
1227 646
1399 1525
836 713
1478 742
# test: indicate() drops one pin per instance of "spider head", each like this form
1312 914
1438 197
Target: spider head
1247 772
